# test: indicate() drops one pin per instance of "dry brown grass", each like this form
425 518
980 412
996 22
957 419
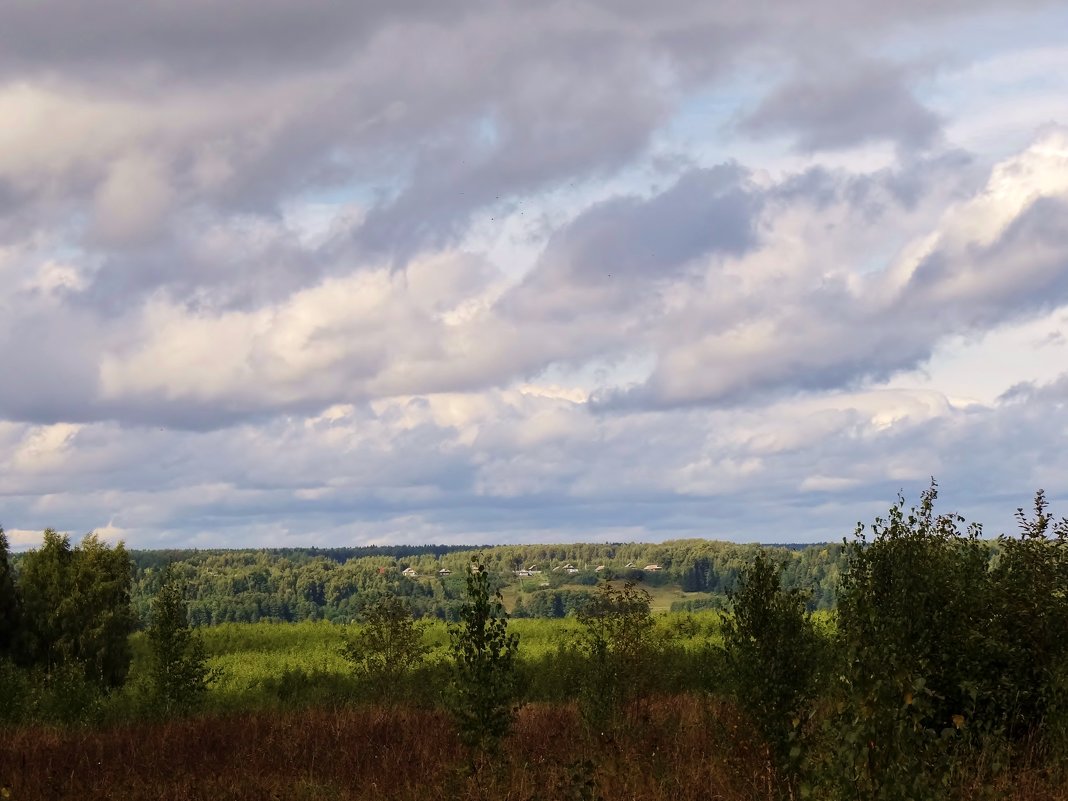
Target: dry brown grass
680 748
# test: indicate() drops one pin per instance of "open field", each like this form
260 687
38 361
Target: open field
684 749
681 748
265 664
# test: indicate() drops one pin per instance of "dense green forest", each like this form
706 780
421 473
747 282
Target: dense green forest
297 584
941 670
247 586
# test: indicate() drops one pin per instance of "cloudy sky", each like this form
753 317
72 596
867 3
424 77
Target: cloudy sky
323 272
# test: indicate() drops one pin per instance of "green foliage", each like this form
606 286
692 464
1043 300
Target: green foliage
386 647
102 577
46 588
76 607
14 691
617 639
772 658
292 585
179 673
912 635
1030 626
484 690
9 603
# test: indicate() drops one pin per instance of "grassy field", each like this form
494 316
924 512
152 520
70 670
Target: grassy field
285 719
674 748
263 665
685 748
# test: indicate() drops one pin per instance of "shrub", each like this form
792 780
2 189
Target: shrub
772 656
618 642
913 636
386 648
1030 603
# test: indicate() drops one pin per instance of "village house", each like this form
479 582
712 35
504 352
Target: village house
444 572
652 568
409 572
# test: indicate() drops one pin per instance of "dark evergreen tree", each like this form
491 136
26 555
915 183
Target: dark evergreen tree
48 605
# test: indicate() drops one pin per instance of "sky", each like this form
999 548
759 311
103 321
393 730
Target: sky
293 273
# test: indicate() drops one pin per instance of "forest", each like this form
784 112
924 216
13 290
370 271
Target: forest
917 659
292 585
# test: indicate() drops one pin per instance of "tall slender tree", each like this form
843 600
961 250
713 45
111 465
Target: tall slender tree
485 682
180 672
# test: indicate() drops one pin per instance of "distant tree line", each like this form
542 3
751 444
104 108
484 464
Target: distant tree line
336 584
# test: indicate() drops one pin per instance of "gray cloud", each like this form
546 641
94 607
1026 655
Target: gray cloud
839 105
616 253
537 468
259 274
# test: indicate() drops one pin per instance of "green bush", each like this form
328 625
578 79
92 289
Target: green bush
772 659
386 648
1030 629
914 643
619 642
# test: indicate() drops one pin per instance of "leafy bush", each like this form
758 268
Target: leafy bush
772 655
618 642
1030 628
386 648
913 637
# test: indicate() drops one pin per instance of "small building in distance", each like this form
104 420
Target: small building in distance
409 572
444 572
652 568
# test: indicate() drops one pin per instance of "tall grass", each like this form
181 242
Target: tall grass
678 748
